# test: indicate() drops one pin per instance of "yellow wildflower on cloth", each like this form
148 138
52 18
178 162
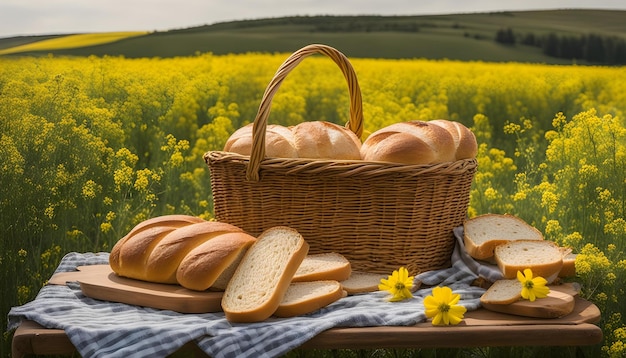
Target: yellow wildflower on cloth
532 288
442 307
399 284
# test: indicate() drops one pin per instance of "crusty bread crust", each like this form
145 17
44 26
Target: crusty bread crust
306 297
165 221
313 140
325 140
204 264
464 139
167 255
542 257
414 142
502 229
279 141
362 282
324 266
154 250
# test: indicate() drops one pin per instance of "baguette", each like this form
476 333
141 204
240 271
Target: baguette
264 274
306 297
544 258
483 233
325 266
180 249
167 255
144 241
207 262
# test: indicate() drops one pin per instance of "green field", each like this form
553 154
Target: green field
465 37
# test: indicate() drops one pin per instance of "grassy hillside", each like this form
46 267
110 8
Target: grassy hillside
460 36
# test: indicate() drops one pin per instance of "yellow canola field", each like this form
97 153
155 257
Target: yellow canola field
72 41
91 146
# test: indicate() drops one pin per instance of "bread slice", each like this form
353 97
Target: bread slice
325 266
483 233
263 275
306 297
502 292
569 266
362 282
544 258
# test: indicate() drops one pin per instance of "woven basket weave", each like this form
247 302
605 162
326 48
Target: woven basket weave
381 216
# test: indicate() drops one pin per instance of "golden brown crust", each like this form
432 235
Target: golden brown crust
311 304
165 221
546 261
205 263
166 256
279 141
414 142
314 140
464 138
233 311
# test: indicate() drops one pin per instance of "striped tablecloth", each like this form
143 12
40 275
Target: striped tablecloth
108 329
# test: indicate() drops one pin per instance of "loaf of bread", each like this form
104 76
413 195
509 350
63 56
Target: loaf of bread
544 258
313 140
279 141
264 274
179 249
419 142
306 297
207 265
141 240
464 139
324 266
502 292
483 233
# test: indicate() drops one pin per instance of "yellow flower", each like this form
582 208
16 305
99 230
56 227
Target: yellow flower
399 284
532 288
442 307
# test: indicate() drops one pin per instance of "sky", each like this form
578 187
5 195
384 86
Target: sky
43 17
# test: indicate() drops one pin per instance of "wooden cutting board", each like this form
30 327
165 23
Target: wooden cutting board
559 303
100 282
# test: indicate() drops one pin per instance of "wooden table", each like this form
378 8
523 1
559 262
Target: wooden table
480 328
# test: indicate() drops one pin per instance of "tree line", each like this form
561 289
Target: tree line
594 48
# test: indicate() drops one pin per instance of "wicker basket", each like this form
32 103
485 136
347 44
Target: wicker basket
379 215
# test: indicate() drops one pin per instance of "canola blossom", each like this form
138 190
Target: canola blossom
442 307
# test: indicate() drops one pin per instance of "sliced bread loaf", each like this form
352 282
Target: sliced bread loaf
361 282
544 258
325 266
483 233
502 292
306 297
263 275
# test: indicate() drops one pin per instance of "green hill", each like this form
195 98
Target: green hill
460 36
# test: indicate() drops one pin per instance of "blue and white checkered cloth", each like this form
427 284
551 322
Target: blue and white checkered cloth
108 329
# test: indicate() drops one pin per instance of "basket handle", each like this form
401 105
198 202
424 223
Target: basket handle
355 123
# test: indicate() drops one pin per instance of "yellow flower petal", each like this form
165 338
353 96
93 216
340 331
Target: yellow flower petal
442 308
398 284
